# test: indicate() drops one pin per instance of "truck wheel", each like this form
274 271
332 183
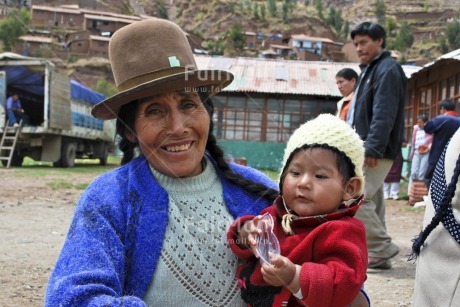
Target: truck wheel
17 159
68 154
103 160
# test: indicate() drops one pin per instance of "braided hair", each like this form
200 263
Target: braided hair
439 214
125 125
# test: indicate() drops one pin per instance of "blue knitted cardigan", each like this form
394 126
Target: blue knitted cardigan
116 236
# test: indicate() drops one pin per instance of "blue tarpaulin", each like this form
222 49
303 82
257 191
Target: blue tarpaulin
22 79
80 92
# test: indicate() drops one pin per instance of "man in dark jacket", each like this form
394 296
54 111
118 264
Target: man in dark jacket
377 114
443 128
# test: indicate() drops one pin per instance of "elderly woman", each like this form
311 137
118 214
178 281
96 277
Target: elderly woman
153 231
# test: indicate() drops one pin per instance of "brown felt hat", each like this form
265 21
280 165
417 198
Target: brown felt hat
151 57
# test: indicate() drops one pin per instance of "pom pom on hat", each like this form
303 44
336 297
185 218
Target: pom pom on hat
331 131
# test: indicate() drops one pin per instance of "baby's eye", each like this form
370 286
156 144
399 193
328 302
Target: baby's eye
319 176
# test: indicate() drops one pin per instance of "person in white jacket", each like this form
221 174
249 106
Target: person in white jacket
437 248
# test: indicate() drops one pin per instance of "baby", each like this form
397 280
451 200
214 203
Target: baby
323 257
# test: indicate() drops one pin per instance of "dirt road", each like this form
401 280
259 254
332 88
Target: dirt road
35 213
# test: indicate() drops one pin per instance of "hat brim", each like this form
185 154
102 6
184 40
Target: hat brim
213 80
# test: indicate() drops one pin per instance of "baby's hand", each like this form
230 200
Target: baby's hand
280 273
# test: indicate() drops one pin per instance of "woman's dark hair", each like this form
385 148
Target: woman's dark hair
373 30
125 124
344 164
348 74
440 213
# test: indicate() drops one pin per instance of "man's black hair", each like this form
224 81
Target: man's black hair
373 30
447 104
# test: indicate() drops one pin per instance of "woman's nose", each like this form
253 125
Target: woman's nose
176 121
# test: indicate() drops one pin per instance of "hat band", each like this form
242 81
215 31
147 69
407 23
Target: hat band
153 75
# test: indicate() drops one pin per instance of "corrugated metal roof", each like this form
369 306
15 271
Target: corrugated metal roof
304 37
41 39
409 70
451 56
282 76
55 9
268 75
108 18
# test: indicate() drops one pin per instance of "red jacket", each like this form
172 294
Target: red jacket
331 250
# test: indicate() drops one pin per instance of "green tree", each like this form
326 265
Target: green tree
443 44
263 11
247 5
405 38
272 7
346 29
107 88
162 11
216 47
255 10
319 8
285 8
335 20
14 26
391 26
380 11
453 35
237 37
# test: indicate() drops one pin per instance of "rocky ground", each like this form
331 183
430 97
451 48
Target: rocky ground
36 208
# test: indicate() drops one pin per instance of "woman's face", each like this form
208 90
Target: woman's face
172 131
345 86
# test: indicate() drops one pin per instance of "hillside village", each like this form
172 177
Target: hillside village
70 31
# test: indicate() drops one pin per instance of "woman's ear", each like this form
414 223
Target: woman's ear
352 188
131 137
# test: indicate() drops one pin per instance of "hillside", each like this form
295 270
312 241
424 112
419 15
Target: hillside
211 20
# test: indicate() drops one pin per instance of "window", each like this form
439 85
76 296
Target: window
458 84
451 88
262 119
443 91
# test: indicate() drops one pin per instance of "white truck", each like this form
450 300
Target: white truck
60 127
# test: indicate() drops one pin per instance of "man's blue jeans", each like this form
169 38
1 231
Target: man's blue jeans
14 117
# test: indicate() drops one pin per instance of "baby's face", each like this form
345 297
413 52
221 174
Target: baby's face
313 184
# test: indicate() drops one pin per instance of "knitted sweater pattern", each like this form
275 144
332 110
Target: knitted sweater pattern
195 256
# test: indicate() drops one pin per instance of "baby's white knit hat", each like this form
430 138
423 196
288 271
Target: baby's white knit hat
328 131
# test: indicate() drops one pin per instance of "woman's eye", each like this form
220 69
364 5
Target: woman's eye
188 104
153 111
